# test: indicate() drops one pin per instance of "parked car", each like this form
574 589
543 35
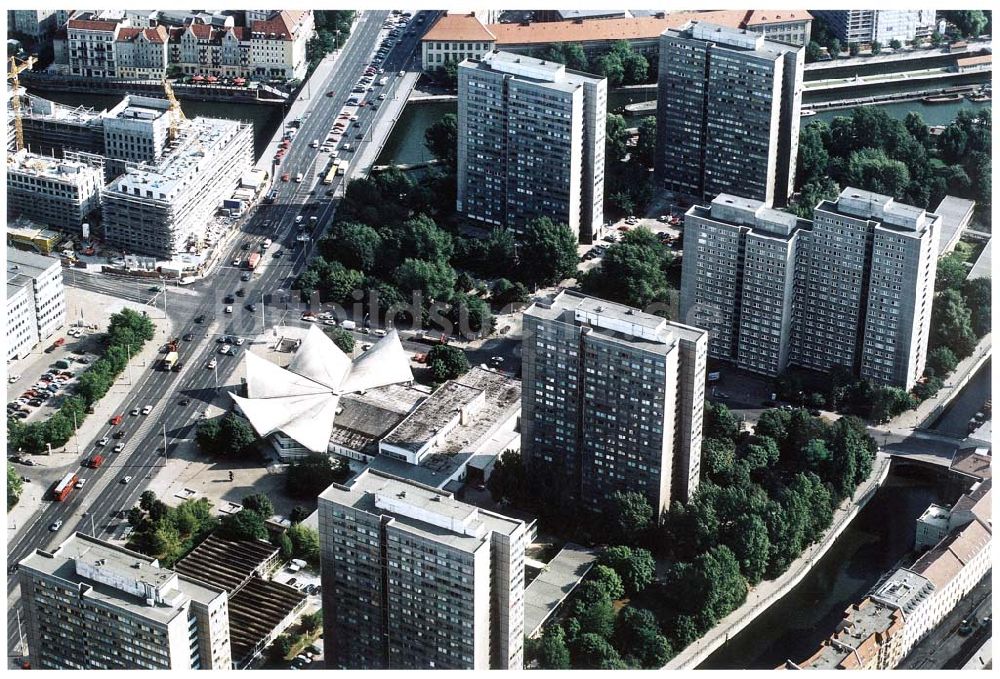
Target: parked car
126 479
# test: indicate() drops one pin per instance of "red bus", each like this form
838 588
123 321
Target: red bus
253 260
64 487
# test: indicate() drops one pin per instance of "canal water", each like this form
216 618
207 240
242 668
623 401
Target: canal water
265 118
794 627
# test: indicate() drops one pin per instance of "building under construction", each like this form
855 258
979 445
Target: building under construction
162 208
59 192
135 130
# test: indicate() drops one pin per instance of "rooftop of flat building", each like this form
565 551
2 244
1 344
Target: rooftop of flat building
68 170
551 587
199 138
731 37
862 204
983 268
424 511
24 267
226 564
119 577
973 461
955 213
529 69
753 214
363 419
421 425
935 515
37 107
903 589
139 108
622 323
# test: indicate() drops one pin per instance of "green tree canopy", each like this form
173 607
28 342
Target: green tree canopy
547 252
633 272
441 139
259 503
305 542
951 324
609 580
243 525
630 515
951 272
552 652
436 280
646 145
447 362
978 299
14 486
593 652
343 339
635 566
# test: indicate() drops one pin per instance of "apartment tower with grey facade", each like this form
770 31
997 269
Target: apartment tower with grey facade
89 604
853 288
612 400
414 579
531 143
728 105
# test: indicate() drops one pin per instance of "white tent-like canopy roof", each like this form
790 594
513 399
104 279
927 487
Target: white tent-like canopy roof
301 401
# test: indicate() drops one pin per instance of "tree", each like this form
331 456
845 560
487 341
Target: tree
717 457
968 22
719 422
635 566
447 363
915 125
593 652
423 239
259 503
761 452
305 542
928 388
712 584
470 316
507 294
356 246
872 170
876 47
630 515
237 434
951 272
576 58
441 139
853 49
634 68
951 324
609 581
309 477
281 647
552 652
312 621
243 525
813 156
611 67
752 547
615 137
887 402
208 435
941 360
936 39
632 272
343 339
548 252
894 44
146 500
597 617
135 517
436 280
978 299
812 194
815 454
299 514
645 149
637 635
15 486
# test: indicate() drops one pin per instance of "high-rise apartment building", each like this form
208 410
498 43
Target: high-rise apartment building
738 280
531 143
36 23
58 192
852 288
883 25
612 400
868 288
161 209
414 579
36 300
728 107
89 604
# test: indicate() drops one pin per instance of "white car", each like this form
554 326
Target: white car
80 483
135 411
240 341
104 441
236 262
226 348
120 447
330 322
211 364
229 309
56 525
13 378
126 479
147 410
402 73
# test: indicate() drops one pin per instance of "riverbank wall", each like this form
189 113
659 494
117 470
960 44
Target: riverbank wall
761 597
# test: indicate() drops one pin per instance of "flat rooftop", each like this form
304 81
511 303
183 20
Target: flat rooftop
984 263
955 213
935 515
903 589
83 560
420 426
66 170
23 268
854 644
423 511
863 204
38 107
552 75
364 418
551 587
226 564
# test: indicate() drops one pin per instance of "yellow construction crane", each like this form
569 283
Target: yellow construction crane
12 75
176 114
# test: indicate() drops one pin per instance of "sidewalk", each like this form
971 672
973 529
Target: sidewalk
768 592
925 414
393 109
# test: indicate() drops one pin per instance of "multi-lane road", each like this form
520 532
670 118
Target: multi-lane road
95 507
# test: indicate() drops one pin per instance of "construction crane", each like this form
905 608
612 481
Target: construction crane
176 114
12 75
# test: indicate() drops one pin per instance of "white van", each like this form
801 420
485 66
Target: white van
298 178
315 143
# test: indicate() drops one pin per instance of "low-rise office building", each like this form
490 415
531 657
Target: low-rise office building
36 300
454 38
62 193
414 579
161 209
91 605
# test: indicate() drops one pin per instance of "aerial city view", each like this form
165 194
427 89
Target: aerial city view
499 339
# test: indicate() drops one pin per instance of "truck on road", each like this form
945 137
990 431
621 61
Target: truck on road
253 260
170 360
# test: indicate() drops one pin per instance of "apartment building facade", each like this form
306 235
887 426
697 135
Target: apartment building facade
531 143
91 47
36 23
611 400
36 300
728 108
91 605
882 25
414 579
852 288
162 208
59 192
141 53
455 37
